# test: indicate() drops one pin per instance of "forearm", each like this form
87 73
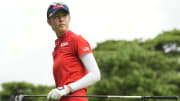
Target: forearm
93 75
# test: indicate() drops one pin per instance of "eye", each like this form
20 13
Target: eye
55 17
64 15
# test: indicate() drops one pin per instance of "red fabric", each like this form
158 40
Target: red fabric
67 67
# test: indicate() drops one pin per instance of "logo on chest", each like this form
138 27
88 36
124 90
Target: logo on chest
64 44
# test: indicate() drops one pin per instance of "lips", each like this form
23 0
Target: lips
61 24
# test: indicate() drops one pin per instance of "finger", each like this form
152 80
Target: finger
50 94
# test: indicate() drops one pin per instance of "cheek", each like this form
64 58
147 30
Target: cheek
68 21
54 22
54 26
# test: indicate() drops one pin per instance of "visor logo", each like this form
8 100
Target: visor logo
50 14
58 6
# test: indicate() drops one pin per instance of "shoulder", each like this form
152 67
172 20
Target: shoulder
75 36
72 34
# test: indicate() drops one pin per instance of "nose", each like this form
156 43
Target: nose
61 18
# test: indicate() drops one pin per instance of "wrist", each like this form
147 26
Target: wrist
69 88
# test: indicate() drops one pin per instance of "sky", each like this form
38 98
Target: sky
27 41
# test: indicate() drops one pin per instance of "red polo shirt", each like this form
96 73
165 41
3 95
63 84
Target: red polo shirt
67 67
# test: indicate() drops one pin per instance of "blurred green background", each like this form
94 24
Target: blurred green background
135 68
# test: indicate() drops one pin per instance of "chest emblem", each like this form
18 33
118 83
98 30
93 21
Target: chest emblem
64 44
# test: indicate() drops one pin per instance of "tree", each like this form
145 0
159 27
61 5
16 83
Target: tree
11 89
127 68
137 68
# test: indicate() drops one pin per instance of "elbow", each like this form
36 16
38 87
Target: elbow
95 77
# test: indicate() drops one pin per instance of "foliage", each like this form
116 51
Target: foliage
138 68
165 37
127 68
11 89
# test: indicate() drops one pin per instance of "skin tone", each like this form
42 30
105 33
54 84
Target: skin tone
60 24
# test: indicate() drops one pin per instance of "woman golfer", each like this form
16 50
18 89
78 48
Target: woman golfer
74 66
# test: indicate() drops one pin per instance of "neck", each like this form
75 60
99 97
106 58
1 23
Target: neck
59 34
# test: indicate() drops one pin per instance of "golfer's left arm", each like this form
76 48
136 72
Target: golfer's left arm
93 75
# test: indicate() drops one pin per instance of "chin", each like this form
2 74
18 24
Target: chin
63 30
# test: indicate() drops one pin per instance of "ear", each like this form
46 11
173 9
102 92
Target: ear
49 22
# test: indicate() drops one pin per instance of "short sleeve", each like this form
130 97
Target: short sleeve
82 46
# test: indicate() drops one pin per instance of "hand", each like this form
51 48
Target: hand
57 93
